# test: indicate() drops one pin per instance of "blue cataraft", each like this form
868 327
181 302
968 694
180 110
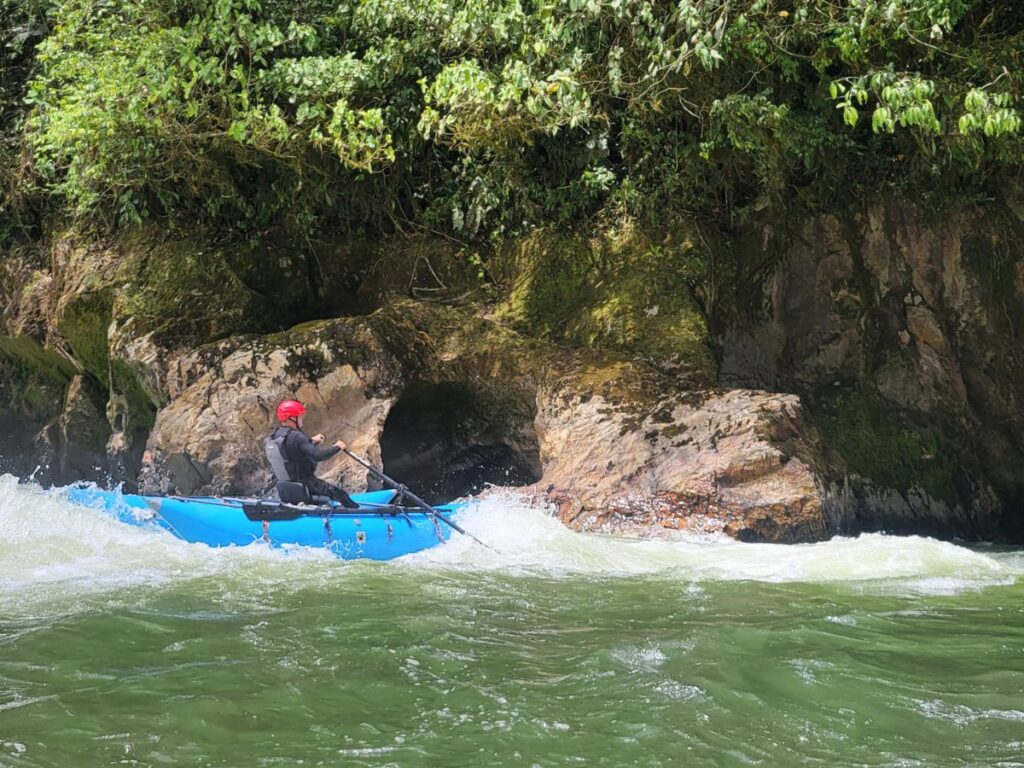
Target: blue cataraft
378 530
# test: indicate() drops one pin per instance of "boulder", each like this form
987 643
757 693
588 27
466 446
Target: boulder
738 462
614 444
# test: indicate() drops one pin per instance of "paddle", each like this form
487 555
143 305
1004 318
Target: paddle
406 492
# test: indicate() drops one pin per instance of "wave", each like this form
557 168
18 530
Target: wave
66 557
530 540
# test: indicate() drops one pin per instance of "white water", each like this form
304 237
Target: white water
56 557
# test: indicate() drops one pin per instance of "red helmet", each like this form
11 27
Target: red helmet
290 409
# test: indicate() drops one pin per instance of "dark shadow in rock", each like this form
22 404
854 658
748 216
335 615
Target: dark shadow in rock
451 439
28 449
69 447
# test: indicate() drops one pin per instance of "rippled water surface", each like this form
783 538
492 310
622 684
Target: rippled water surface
122 646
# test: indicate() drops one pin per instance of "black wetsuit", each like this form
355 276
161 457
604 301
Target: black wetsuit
301 455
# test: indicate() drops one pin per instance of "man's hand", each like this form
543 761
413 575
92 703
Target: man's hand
340 445
317 439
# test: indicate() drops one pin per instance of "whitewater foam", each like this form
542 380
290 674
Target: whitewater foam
529 540
63 556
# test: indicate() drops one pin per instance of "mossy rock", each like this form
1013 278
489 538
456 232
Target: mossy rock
887 447
426 268
185 294
84 323
625 293
33 380
191 291
139 409
552 281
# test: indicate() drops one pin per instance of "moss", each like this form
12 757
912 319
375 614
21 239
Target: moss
553 287
139 407
884 446
189 292
648 311
308 362
24 392
32 355
622 292
674 430
33 380
423 267
309 325
184 294
84 323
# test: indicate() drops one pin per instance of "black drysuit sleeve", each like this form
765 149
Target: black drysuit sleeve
308 448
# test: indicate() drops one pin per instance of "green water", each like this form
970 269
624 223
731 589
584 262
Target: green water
124 647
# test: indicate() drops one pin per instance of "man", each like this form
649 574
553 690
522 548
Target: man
301 454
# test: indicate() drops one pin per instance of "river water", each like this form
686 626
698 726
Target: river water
122 646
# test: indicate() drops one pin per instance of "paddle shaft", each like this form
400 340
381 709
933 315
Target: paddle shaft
405 491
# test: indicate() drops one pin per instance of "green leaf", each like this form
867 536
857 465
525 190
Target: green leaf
237 131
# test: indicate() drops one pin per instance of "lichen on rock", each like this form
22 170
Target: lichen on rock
785 380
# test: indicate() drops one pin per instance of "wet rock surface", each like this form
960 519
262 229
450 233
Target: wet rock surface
458 402
860 372
739 462
899 329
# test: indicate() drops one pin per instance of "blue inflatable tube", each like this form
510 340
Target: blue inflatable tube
377 530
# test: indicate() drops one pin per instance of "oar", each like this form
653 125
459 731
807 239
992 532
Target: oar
406 492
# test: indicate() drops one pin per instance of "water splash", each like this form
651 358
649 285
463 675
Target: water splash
68 557
529 540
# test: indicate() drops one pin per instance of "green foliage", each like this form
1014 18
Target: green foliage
22 26
989 113
485 118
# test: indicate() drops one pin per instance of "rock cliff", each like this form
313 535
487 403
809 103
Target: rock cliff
779 382
900 330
